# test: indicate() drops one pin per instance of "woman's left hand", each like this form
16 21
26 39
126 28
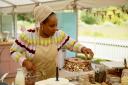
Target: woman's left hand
87 52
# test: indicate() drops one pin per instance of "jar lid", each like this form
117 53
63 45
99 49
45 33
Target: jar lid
19 69
115 79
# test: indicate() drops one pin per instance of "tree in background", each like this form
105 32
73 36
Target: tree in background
25 21
116 15
26 17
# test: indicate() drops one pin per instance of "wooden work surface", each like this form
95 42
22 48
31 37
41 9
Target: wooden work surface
62 73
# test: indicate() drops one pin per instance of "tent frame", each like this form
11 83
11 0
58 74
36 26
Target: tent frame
34 2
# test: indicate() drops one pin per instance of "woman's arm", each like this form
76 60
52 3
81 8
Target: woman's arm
72 45
17 51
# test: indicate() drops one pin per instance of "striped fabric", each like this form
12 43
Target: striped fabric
24 46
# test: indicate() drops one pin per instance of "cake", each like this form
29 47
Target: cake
52 81
77 64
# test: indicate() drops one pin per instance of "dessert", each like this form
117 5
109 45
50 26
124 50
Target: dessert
77 64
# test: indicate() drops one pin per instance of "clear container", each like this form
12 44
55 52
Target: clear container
84 80
30 78
115 80
20 77
5 36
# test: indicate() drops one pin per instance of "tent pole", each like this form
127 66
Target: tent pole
77 25
8 2
76 12
34 3
14 23
1 22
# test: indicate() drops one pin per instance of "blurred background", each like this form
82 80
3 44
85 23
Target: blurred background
101 25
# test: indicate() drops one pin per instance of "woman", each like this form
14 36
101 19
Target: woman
37 48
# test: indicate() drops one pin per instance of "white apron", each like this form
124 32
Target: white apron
45 61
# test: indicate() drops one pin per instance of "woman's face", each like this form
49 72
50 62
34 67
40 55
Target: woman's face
49 27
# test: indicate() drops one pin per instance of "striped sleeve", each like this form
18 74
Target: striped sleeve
69 43
18 49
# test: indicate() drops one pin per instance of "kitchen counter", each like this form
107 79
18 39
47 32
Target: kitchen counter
6 62
6 43
61 73
9 81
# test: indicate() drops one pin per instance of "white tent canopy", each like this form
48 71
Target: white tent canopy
21 6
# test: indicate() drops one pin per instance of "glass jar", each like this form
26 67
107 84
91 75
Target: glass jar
124 77
20 77
115 80
30 79
84 80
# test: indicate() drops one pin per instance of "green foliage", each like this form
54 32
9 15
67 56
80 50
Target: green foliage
1 13
98 34
116 15
88 19
81 57
98 60
25 20
25 17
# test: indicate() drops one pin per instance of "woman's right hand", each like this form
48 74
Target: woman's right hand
28 65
